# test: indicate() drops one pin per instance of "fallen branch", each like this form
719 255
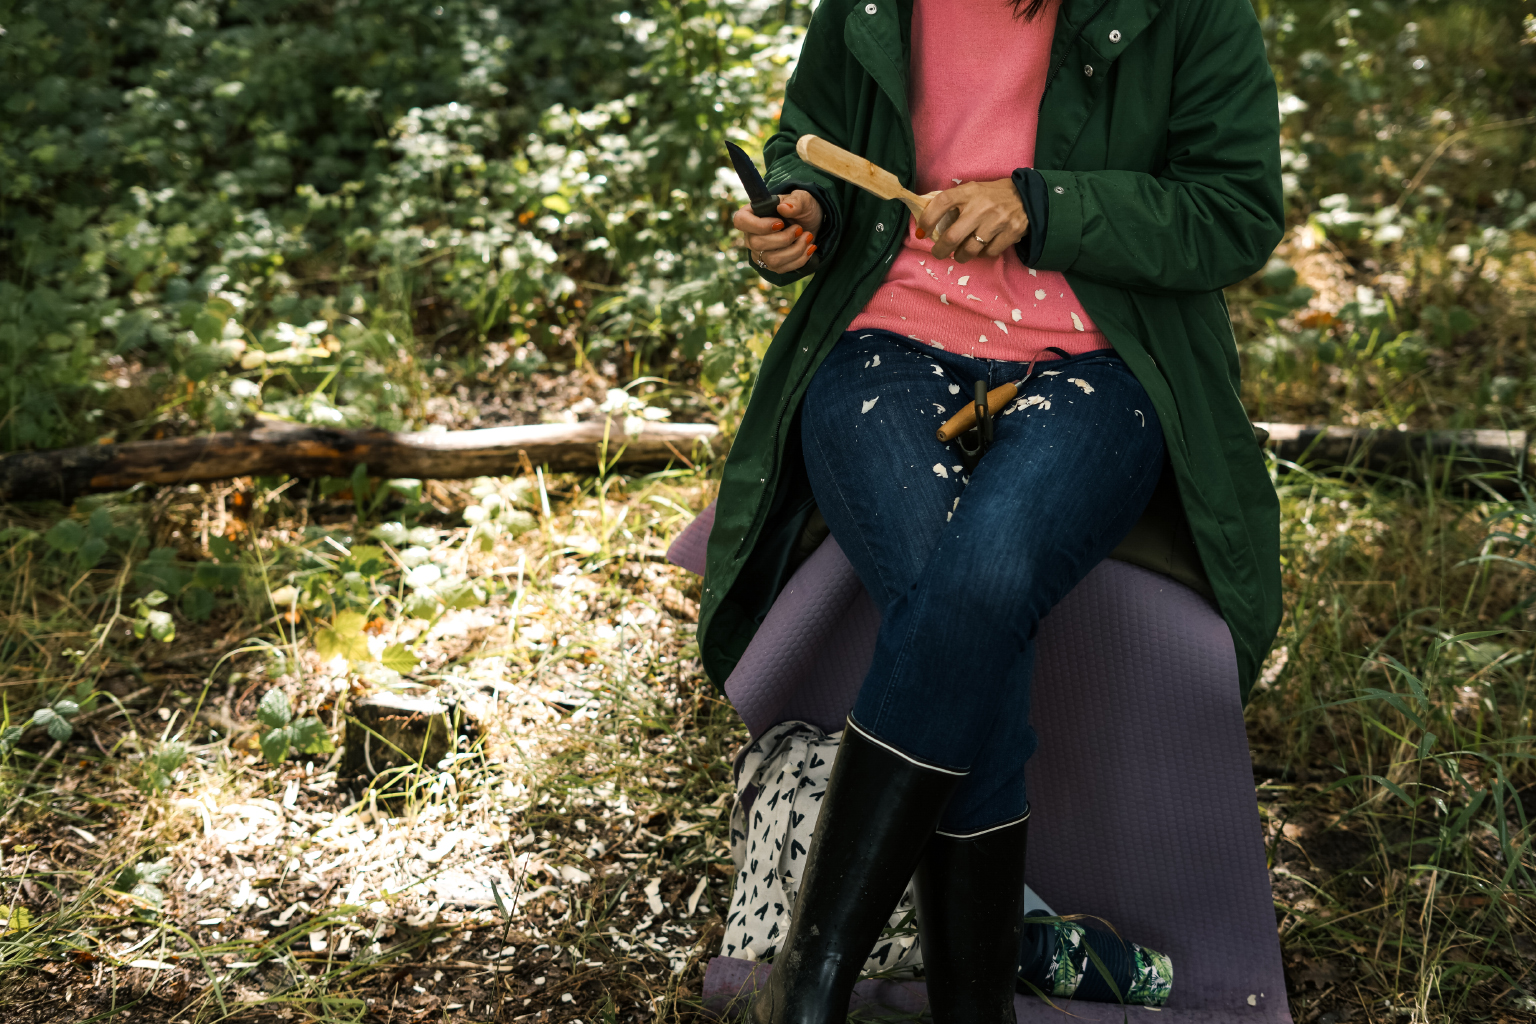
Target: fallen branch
64 473
1464 452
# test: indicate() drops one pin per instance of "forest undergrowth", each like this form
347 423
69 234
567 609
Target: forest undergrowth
159 866
460 215
567 861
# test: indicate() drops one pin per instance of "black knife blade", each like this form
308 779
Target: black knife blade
764 203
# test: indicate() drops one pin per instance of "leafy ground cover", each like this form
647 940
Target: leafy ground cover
332 213
176 871
161 866
1392 754
469 214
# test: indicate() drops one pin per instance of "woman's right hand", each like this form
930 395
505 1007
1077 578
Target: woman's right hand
781 244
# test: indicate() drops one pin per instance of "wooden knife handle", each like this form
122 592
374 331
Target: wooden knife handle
965 419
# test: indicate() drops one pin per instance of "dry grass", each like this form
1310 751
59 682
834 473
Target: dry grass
591 795
1392 745
1393 755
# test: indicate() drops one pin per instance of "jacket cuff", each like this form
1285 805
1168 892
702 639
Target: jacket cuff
1031 188
1064 199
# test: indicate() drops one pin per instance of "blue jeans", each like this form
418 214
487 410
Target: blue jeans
964 568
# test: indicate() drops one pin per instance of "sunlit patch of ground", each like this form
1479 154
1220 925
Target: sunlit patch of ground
594 790
569 860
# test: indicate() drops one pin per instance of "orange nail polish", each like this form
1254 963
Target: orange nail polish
810 249
921 233
778 225
799 231
810 238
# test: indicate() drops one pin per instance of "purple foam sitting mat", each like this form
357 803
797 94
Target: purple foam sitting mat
1142 789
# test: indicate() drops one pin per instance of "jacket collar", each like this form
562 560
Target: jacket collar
1098 21
874 32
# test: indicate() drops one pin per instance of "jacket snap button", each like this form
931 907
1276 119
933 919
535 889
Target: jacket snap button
1088 70
1059 190
1114 35
870 8
879 227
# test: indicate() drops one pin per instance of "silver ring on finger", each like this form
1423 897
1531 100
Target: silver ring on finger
978 238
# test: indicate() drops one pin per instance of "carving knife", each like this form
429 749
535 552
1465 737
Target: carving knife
764 203
968 416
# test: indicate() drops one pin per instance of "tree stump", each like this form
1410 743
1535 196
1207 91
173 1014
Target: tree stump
387 730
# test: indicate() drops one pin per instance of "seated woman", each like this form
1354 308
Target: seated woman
1103 170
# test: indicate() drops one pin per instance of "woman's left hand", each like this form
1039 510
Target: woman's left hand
985 218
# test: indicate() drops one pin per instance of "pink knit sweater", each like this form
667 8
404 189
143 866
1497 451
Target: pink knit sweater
977 77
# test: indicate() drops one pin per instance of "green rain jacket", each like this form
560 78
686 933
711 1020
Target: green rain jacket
1159 145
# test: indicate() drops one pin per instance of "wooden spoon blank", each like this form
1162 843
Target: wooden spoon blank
856 170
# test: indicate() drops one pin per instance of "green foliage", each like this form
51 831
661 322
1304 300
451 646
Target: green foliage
399 658
1406 147
89 543
150 621
249 199
1364 87
496 512
344 637
160 765
15 919
55 716
96 555
284 734
1402 678
143 880
345 585
55 719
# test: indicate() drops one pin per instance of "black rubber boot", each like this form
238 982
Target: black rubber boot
879 809
970 908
